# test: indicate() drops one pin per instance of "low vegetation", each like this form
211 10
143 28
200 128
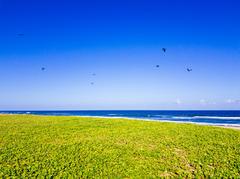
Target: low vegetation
43 146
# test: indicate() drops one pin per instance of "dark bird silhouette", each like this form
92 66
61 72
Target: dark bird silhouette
189 69
157 66
20 35
43 68
164 50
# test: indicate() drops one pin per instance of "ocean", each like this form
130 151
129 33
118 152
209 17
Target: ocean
220 118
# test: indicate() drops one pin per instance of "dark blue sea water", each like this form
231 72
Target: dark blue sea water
228 118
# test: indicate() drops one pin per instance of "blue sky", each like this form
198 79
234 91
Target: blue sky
119 41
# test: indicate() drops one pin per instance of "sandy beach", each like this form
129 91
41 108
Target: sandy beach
230 127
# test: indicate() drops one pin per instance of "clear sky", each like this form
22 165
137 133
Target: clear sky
120 41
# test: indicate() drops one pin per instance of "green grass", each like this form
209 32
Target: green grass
34 146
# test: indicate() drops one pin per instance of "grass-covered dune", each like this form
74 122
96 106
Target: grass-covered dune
34 146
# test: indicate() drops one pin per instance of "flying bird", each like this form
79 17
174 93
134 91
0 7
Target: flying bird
92 83
43 68
164 50
157 66
20 35
189 69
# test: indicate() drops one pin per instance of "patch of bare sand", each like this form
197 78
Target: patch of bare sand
230 127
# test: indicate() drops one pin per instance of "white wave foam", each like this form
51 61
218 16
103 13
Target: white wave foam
206 117
162 116
216 117
178 117
169 120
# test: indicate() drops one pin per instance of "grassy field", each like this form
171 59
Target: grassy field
34 146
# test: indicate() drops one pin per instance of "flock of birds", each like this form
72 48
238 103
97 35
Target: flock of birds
164 50
94 74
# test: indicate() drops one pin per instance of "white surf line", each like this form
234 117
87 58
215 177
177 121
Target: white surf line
159 120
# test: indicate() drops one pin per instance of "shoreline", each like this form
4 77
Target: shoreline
227 126
230 127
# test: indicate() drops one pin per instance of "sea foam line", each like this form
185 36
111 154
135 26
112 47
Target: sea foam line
217 117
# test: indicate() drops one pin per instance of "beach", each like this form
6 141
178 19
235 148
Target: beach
230 127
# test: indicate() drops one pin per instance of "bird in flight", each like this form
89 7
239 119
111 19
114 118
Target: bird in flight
157 66
20 35
164 50
43 68
189 69
92 83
